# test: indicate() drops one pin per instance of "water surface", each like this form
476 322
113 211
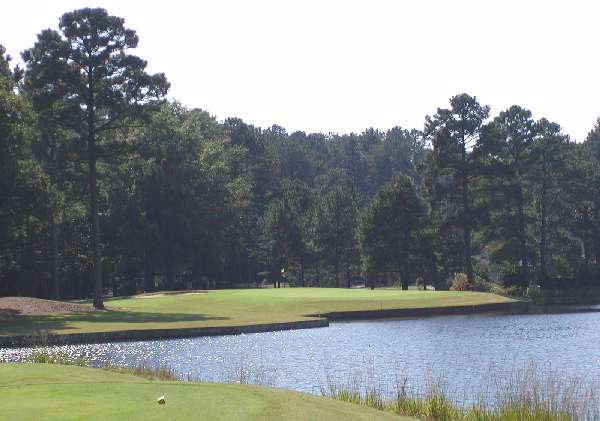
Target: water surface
467 353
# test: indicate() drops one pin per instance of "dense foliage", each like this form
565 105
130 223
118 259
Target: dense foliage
107 186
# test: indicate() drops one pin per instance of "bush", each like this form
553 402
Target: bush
515 291
517 277
533 292
460 282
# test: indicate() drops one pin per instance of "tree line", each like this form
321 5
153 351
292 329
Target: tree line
106 185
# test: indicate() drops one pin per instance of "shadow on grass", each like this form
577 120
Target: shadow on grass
145 296
65 322
8 312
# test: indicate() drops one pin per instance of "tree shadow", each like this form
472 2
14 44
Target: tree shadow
8 312
15 325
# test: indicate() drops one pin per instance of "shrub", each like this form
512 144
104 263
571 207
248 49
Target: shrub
514 291
534 291
460 282
421 283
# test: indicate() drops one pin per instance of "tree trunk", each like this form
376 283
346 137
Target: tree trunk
596 234
436 277
55 262
466 217
239 269
94 217
170 279
348 280
543 221
403 276
302 271
522 228
249 271
113 282
467 251
148 281
318 276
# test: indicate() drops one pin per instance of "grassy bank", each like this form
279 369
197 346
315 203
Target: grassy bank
56 392
223 308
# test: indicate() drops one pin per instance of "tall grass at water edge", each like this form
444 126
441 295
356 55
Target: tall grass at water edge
45 356
527 395
238 372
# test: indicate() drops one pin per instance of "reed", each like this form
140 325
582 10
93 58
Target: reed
146 372
529 394
44 356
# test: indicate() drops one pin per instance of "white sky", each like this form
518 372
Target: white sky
341 66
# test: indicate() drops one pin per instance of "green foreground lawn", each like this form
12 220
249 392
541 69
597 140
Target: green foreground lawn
235 308
53 392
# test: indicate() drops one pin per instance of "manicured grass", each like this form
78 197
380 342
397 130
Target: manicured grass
235 308
54 392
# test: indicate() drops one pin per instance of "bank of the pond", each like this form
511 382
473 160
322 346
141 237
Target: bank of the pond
238 311
516 306
69 393
140 335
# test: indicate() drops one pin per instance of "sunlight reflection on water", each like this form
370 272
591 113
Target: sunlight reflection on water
464 352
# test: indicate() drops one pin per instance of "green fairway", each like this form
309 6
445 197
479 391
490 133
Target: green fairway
54 392
221 308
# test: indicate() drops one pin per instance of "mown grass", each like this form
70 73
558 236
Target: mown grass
222 308
62 392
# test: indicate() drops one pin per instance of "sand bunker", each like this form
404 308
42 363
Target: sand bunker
165 293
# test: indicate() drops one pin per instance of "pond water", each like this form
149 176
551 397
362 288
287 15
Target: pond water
466 353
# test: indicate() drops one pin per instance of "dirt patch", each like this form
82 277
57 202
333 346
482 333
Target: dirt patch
28 306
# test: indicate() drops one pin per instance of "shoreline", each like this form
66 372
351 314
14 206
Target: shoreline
321 320
417 312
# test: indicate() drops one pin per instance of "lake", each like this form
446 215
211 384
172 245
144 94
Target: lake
469 354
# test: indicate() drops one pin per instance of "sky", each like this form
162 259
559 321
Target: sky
341 66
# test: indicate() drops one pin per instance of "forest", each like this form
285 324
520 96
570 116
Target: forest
108 186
